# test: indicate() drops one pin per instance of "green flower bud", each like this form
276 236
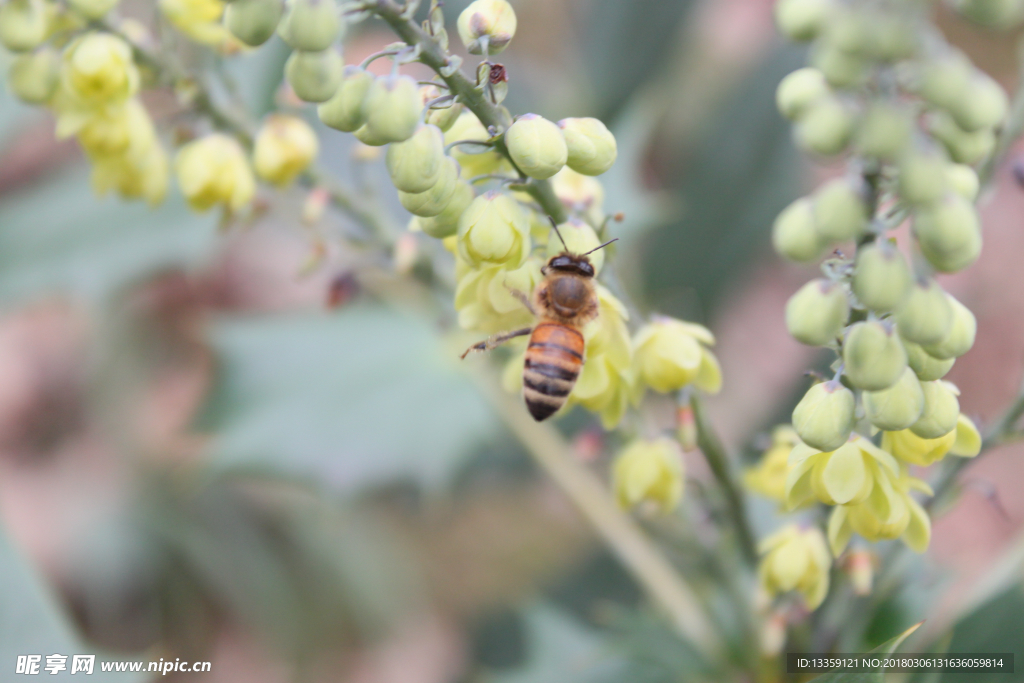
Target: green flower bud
793 234
344 111
885 131
841 69
314 76
579 238
591 145
92 9
897 407
825 128
446 117
392 108
944 81
922 177
253 21
487 26
801 20
983 105
881 277
24 24
924 366
849 29
825 415
368 137
963 147
873 356
473 162
927 315
799 90
446 223
963 180
997 14
33 76
817 313
415 164
537 146
434 200
892 37
949 233
941 410
310 25
494 229
960 338
840 213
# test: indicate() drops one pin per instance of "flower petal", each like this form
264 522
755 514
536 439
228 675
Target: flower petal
844 474
968 440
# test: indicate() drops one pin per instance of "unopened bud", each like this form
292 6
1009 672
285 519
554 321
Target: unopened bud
315 205
93 9
817 313
314 76
941 410
825 415
344 111
799 90
924 366
310 25
885 131
825 128
494 229
24 24
860 566
392 108
949 233
873 356
434 200
446 116
897 407
963 147
963 180
801 20
446 223
33 76
983 105
840 213
793 234
686 428
945 80
881 277
960 338
537 146
841 68
922 177
927 315
253 21
590 144
415 164
487 26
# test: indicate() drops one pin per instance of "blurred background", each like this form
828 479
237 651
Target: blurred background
215 445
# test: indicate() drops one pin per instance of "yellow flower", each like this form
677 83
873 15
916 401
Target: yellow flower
214 170
494 229
97 70
606 385
284 147
198 19
484 301
113 130
769 477
671 354
964 441
848 474
649 472
142 175
796 559
580 194
888 513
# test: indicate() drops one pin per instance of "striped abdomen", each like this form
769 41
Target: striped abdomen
553 362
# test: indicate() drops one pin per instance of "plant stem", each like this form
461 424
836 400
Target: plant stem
717 458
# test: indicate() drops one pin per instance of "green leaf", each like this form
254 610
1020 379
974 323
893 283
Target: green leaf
886 648
365 395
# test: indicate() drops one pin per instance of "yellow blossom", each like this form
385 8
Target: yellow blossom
848 474
200 20
796 559
649 472
606 385
494 229
672 354
887 514
964 441
580 194
96 71
134 176
484 299
284 147
769 477
214 170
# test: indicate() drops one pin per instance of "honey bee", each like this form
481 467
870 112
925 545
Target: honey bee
563 303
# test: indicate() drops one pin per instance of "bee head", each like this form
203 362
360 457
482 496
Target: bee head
567 262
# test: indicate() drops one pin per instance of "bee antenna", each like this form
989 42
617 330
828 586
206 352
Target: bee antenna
601 247
555 226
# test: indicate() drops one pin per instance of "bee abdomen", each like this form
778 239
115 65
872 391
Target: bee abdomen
554 358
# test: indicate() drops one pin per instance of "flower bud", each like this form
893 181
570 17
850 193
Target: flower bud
392 108
840 213
825 415
924 366
253 21
314 76
893 37
33 76
97 69
860 567
817 313
927 315
370 141
487 26
799 90
849 29
284 147
873 356
983 105
801 20
649 471
949 233
579 238
793 234
591 146
494 229
997 14
841 68
344 111
537 146
435 199
881 278
897 407
93 9
922 177
941 410
24 24
885 131
825 128
960 338
446 223
945 80
415 164
671 354
963 180
963 147
310 25
214 170
796 559
445 117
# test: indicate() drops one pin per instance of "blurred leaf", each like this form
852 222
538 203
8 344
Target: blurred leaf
886 648
31 623
59 236
996 626
362 396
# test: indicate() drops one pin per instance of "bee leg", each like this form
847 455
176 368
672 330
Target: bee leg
497 340
522 298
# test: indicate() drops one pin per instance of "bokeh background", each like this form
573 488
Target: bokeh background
215 445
